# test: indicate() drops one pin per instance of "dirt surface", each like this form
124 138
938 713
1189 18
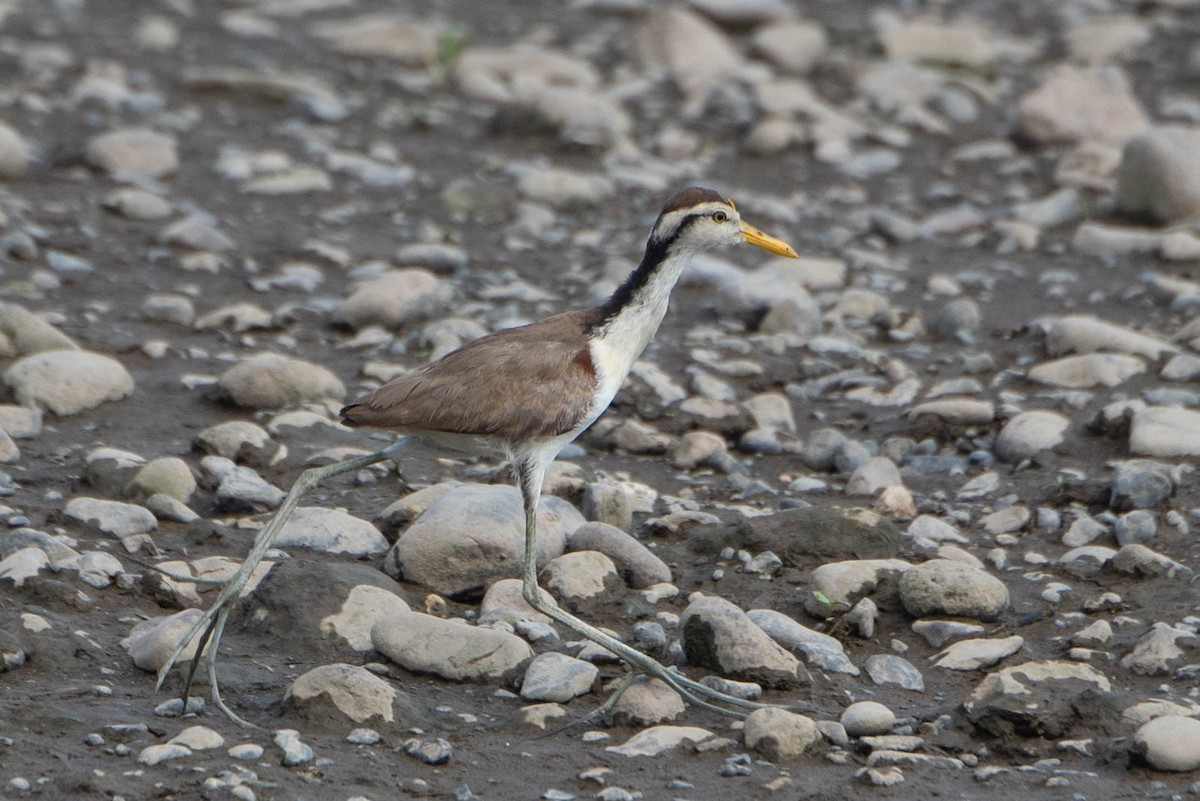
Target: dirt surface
50 704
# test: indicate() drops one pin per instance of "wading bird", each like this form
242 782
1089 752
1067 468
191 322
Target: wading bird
525 392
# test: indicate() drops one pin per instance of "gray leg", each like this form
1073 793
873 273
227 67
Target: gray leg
529 480
213 621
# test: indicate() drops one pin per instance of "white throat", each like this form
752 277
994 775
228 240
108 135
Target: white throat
619 342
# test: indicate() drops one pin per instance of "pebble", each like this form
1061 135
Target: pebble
274 381
330 531
134 151
557 677
977 654
334 696
295 752
659 740
638 565
68 382
1159 176
718 635
1171 742
649 702
472 535
947 587
864 718
892 669
779 734
448 648
1030 433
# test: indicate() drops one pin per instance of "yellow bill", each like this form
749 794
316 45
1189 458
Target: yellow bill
767 242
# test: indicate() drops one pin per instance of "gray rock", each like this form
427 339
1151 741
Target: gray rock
978 654
837 586
579 577
939 632
295 752
163 752
121 520
1030 433
892 669
14 151
198 738
647 702
1076 104
957 319
504 601
1084 530
134 151
1046 698
274 381
961 411
26 333
658 740
137 204
1006 521
330 531
473 535
393 299
1165 431
150 642
1171 742
1088 370
947 587
638 565
20 422
68 381
1082 333
239 441
791 45
718 635
557 677
168 475
364 606
872 476
1155 650
1137 526
1159 177
1142 484
338 697
448 648
608 502
865 718
779 734
22 564
240 489
820 651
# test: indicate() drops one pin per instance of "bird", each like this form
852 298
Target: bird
525 392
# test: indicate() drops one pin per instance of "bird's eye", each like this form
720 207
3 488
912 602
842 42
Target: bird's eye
719 216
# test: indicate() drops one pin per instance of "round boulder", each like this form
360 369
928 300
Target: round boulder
274 381
68 381
949 587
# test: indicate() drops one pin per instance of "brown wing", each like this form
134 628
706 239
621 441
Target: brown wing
519 384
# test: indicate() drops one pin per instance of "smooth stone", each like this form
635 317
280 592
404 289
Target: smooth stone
450 649
68 381
872 476
363 608
338 697
948 587
198 738
137 204
330 531
1083 530
156 754
1083 333
1165 431
150 642
1136 526
843 583
393 299
239 441
240 489
578 577
505 601
1155 650
14 151
779 734
557 677
1037 698
718 635
275 381
1030 433
295 752
892 669
166 508
1075 104
25 333
979 653
1088 370
1096 633
957 319
659 740
961 411
134 151
1159 176
167 475
20 422
638 565
865 718
939 632
819 650
23 564
1171 742
1006 521
473 535
119 519
928 527
647 702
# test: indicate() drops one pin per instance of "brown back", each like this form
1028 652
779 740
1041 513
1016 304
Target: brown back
520 384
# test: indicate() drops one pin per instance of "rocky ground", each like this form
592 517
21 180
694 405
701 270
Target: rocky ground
928 491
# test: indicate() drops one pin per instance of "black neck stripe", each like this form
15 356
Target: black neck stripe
657 251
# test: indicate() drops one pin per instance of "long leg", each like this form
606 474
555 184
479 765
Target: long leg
213 621
530 475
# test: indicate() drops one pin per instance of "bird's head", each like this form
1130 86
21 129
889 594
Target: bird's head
697 219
